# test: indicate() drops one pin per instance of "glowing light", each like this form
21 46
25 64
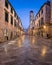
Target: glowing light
43 52
44 27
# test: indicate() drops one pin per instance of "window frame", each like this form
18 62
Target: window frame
6 3
6 16
11 20
11 10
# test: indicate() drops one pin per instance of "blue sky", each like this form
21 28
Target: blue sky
23 7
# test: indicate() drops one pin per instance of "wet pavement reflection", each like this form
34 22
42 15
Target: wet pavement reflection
26 50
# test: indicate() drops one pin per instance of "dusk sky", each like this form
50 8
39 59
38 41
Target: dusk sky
23 7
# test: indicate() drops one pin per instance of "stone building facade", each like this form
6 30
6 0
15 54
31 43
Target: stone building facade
43 21
9 21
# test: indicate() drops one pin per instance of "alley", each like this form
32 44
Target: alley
26 50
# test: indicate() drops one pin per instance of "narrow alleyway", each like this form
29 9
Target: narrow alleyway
26 50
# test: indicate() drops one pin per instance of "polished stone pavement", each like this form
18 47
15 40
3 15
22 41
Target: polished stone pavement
26 50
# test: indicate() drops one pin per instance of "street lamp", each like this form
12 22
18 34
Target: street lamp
44 27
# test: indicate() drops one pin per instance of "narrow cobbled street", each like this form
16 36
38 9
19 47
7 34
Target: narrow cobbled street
26 50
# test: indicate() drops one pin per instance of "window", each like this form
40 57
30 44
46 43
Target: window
17 17
15 14
39 22
47 9
6 3
15 23
42 11
42 22
11 20
39 14
6 16
11 10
